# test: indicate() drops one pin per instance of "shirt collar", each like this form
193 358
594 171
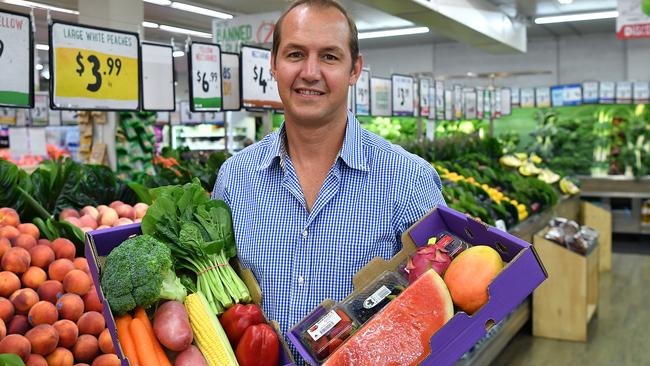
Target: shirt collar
352 151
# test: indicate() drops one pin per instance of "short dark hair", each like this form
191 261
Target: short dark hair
354 35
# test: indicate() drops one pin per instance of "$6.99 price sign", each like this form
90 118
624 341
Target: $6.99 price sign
94 68
205 77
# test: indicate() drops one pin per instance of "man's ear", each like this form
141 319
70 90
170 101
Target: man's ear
273 65
356 70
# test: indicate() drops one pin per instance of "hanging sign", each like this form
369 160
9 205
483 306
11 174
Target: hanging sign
432 101
458 102
527 97
158 92
641 93
94 68
230 71
7 116
506 101
566 95
425 97
380 97
469 101
362 93
40 112
187 116
449 105
205 77
259 88
590 92
623 92
480 103
633 19
16 60
255 29
607 92
515 97
402 95
542 97
440 100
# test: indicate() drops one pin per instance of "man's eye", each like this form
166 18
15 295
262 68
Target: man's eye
331 57
294 54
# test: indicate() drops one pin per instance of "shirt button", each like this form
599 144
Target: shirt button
304 233
301 280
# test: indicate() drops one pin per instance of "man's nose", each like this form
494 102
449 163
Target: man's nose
311 68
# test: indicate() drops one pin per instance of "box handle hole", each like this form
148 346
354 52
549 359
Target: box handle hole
501 248
489 324
469 233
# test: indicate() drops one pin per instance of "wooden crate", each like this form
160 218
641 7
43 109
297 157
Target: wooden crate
599 219
568 299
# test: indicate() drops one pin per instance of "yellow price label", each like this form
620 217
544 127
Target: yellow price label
91 74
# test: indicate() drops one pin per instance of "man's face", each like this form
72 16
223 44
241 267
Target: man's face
313 65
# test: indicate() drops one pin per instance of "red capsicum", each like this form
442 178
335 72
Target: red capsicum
238 318
259 346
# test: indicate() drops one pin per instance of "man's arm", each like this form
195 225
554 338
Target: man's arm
219 192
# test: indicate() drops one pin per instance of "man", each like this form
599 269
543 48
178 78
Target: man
317 200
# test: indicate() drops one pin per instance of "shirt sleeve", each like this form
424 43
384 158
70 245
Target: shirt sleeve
219 192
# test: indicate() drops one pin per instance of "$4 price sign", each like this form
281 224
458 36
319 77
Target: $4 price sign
258 76
113 67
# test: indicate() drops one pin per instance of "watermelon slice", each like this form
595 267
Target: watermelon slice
400 334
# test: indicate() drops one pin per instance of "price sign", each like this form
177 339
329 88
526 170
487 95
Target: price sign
230 73
205 77
469 99
506 102
542 97
402 95
449 105
94 68
480 103
380 97
515 97
157 77
69 117
590 92
623 92
440 100
432 101
259 88
7 116
641 92
40 112
607 92
496 102
565 95
425 97
527 97
362 93
458 102
16 60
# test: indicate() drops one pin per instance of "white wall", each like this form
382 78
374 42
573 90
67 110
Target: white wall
568 59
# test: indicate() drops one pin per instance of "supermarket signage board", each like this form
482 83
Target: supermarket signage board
607 92
40 113
380 97
641 92
7 116
440 99
16 60
257 29
495 98
566 95
633 19
623 92
204 60
458 101
402 95
425 97
449 105
480 103
515 96
158 93
230 72
590 92
527 97
469 101
542 97
362 93
506 102
258 87
94 68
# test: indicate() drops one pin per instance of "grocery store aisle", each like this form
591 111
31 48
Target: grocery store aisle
618 335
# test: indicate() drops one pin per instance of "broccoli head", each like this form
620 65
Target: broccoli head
139 272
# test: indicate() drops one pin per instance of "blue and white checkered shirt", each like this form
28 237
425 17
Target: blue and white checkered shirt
374 191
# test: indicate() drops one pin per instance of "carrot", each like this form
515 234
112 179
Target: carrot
141 314
146 353
126 342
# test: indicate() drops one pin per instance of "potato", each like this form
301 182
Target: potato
70 307
106 360
6 310
106 342
91 322
86 348
50 290
35 360
43 338
43 312
9 283
68 332
16 260
190 357
171 325
60 357
14 343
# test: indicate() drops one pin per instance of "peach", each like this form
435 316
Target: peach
25 241
123 221
86 348
23 300
59 268
18 325
33 277
106 360
101 208
90 211
77 282
100 227
9 283
9 217
3 329
106 342
43 241
63 248
50 290
5 245
42 255
91 322
17 344
6 310
126 211
115 204
35 360
138 220
469 275
30 229
43 312
60 357
68 332
91 301
108 217
73 220
140 210
82 264
9 232
88 221
16 260
86 229
70 307
43 339
68 212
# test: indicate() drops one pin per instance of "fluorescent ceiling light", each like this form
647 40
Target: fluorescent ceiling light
149 25
32 4
200 10
577 17
171 29
178 53
43 47
393 32
39 67
565 2
158 2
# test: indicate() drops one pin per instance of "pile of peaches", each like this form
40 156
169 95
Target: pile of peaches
50 313
94 218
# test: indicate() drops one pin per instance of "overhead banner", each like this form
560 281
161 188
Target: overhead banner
633 19
566 95
425 97
230 73
362 93
590 92
94 68
244 30
380 97
158 78
402 95
16 60
440 100
205 77
259 88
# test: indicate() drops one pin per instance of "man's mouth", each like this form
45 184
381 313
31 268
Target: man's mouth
309 92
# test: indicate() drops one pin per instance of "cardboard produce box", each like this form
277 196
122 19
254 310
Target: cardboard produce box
522 273
100 243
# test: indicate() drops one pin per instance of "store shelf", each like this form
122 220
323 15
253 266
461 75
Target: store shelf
200 135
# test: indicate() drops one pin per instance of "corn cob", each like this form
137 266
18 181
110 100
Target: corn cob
208 333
